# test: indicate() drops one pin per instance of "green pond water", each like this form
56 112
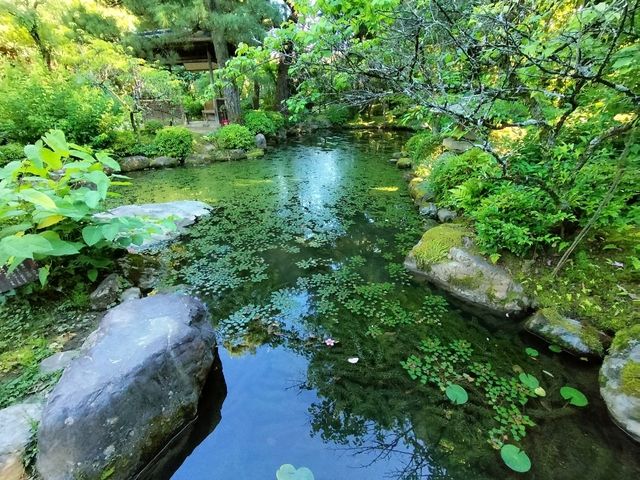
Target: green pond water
306 245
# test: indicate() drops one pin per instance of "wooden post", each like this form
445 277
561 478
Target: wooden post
213 90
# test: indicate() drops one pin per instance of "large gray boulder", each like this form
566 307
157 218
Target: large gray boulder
445 257
182 212
620 381
107 293
16 429
261 141
136 383
568 333
163 162
134 163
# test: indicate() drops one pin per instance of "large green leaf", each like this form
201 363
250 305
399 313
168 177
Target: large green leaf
56 140
574 396
37 198
529 380
457 394
514 458
92 234
59 247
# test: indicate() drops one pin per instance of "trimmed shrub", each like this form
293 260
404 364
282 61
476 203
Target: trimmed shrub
277 118
234 136
151 127
258 121
174 142
11 152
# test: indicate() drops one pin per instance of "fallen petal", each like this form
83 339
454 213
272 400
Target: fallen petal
353 359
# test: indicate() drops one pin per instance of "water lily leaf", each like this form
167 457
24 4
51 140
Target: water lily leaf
514 458
289 472
540 392
555 348
529 380
532 352
574 396
456 394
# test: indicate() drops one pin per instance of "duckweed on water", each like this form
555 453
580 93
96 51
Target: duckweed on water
307 244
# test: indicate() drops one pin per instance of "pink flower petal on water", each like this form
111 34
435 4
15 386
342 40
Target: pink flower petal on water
329 342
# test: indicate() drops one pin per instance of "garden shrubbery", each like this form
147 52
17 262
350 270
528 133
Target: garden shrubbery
234 136
266 122
10 152
174 142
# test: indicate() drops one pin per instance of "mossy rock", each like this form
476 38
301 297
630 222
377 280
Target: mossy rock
403 163
255 153
420 189
572 335
620 380
445 257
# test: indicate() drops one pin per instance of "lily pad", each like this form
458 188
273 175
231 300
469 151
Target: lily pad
514 458
529 380
555 348
574 396
540 392
456 394
532 352
289 472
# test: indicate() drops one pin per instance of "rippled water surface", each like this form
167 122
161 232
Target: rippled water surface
306 245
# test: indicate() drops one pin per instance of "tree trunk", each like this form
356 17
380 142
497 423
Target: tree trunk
282 84
256 95
230 91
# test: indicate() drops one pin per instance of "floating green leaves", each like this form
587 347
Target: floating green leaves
457 394
532 352
529 380
289 472
555 348
514 458
574 396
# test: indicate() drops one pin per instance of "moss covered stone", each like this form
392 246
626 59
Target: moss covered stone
620 380
572 335
403 163
630 377
436 243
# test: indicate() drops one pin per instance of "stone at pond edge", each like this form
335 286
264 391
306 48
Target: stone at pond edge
445 215
620 381
459 146
58 361
182 212
442 258
162 162
429 210
143 270
15 434
568 333
136 383
25 273
107 293
134 163
132 293
403 163
261 141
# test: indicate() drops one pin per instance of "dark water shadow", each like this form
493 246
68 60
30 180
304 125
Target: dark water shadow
171 457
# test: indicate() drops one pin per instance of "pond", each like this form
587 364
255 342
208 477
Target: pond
301 267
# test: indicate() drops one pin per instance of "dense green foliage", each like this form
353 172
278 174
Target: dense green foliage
48 204
259 121
234 136
174 142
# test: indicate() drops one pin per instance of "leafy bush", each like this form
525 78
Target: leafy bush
31 104
517 218
49 201
192 107
451 171
174 142
10 152
258 121
338 114
277 118
151 127
421 145
234 136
